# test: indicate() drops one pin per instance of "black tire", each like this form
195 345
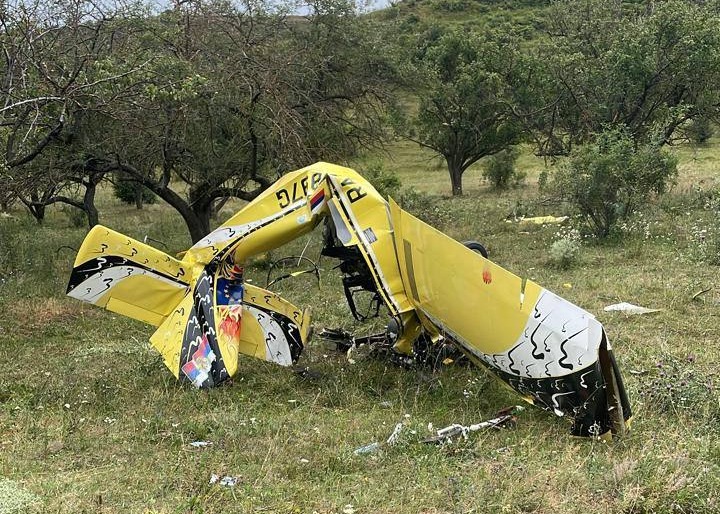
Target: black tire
476 247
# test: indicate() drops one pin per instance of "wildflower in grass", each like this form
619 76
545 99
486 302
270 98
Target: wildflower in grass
678 385
565 250
14 498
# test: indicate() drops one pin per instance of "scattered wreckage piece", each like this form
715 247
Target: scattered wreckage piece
629 309
225 481
505 418
392 440
435 289
701 292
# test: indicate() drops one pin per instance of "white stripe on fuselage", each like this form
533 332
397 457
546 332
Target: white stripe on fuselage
548 334
224 234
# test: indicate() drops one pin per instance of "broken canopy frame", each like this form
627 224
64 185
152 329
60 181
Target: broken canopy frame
553 353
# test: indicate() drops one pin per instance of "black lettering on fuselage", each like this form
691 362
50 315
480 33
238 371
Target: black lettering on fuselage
300 189
283 198
293 192
355 193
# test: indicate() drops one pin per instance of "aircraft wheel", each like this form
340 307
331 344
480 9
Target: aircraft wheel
476 247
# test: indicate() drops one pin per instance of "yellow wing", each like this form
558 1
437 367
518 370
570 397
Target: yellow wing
549 350
128 277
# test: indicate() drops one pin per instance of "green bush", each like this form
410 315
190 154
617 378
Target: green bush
499 169
385 182
126 192
699 130
431 209
608 179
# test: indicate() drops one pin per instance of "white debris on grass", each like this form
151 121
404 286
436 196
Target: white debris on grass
225 481
395 436
629 308
543 220
391 440
368 448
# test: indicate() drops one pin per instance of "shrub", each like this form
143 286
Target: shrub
430 209
499 169
385 182
608 179
126 191
699 130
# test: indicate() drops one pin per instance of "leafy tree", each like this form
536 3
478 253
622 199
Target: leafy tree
132 192
464 111
54 70
649 67
609 178
234 95
204 101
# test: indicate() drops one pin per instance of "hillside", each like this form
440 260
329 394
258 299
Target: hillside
417 15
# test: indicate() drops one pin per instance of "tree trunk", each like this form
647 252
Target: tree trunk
138 190
197 210
36 208
456 173
89 203
217 205
203 213
197 224
38 212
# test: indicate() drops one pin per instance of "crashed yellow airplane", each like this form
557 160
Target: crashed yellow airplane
555 354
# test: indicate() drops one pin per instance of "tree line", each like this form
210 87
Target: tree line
209 100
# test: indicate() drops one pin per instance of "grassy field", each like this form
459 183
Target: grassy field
92 421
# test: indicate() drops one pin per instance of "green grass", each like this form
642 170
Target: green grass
91 421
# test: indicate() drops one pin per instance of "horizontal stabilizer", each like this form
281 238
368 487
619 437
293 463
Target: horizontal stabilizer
126 276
